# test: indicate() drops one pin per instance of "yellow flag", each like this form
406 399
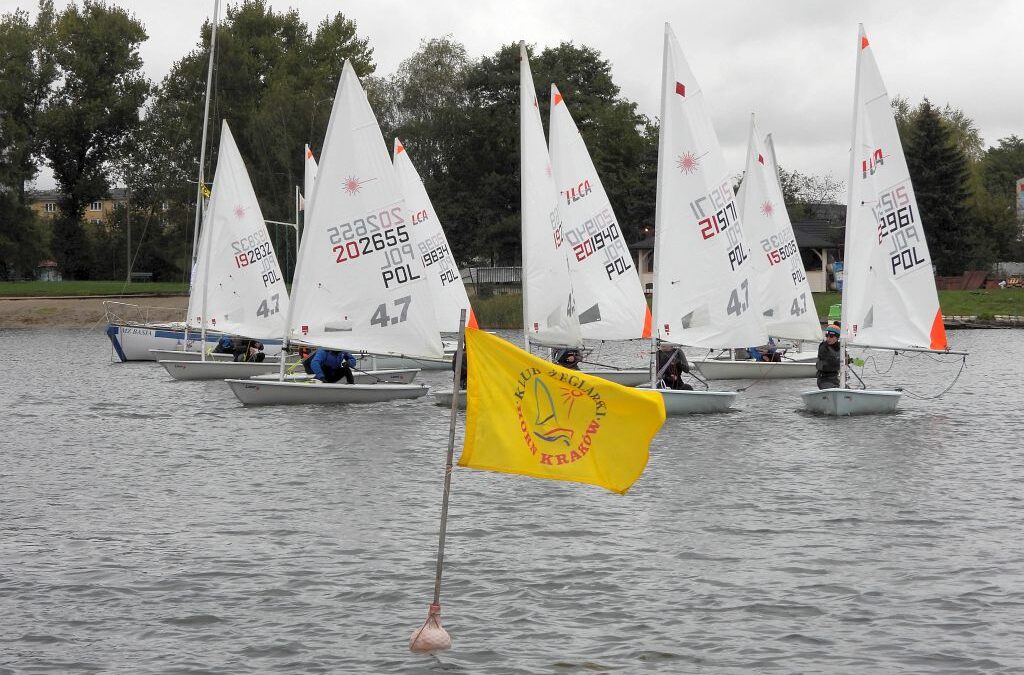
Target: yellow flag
527 416
206 191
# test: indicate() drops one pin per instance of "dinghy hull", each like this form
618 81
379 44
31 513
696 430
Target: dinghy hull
134 342
379 362
626 377
217 370
257 392
844 402
179 355
444 399
680 402
714 369
404 376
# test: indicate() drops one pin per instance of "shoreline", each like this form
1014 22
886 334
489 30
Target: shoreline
87 311
42 312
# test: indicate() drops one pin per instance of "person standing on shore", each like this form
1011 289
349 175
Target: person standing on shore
829 359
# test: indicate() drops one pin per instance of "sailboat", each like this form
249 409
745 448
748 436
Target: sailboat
360 285
704 283
549 307
446 285
784 295
889 298
610 302
242 290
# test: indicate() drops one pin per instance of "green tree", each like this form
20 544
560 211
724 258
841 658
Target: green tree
89 114
26 73
274 82
939 171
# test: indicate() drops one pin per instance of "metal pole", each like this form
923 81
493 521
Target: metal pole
451 452
128 244
202 144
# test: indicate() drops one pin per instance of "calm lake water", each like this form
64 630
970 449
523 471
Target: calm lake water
155 526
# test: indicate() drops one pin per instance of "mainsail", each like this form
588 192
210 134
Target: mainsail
237 277
549 311
449 293
704 283
610 302
889 296
782 289
360 284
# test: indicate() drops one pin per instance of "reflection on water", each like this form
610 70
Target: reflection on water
149 525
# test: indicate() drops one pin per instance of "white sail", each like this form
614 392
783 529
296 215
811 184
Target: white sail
237 273
360 285
782 289
704 285
549 312
309 179
889 296
610 301
449 293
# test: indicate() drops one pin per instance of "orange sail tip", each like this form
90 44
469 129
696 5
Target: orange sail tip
471 321
399 147
648 322
864 42
309 153
938 334
558 98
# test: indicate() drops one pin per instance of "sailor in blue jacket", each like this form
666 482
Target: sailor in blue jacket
329 365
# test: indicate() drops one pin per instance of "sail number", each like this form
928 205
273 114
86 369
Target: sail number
736 305
266 310
383 319
246 258
378 241
896 222
799 305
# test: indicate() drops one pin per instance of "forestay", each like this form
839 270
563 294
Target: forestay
889 296
237 276
549 310
360 284
610 302
449 293
782 289
704 292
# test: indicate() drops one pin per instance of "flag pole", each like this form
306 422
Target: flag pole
431 636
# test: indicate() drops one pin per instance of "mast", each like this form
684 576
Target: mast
844 326
659 187
199 187
522 194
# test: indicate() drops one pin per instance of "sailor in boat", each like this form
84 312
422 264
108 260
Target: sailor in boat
768 353
568 358
829 359
465 371
330 365
672 364
242 349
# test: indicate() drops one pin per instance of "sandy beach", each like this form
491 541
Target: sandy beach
87 312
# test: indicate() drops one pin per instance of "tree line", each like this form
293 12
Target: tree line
73 96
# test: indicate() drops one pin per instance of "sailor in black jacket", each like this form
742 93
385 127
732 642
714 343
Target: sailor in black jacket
829 359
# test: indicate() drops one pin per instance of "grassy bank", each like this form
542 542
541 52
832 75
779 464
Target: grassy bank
505 311
44 289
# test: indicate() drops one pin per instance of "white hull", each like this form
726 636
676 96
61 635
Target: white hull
376 362
405 376
686 402
180 355
715 369
626 377
842 402
444 399
134 342
258 392
216 370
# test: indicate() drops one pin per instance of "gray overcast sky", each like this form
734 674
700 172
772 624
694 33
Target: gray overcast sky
789 61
